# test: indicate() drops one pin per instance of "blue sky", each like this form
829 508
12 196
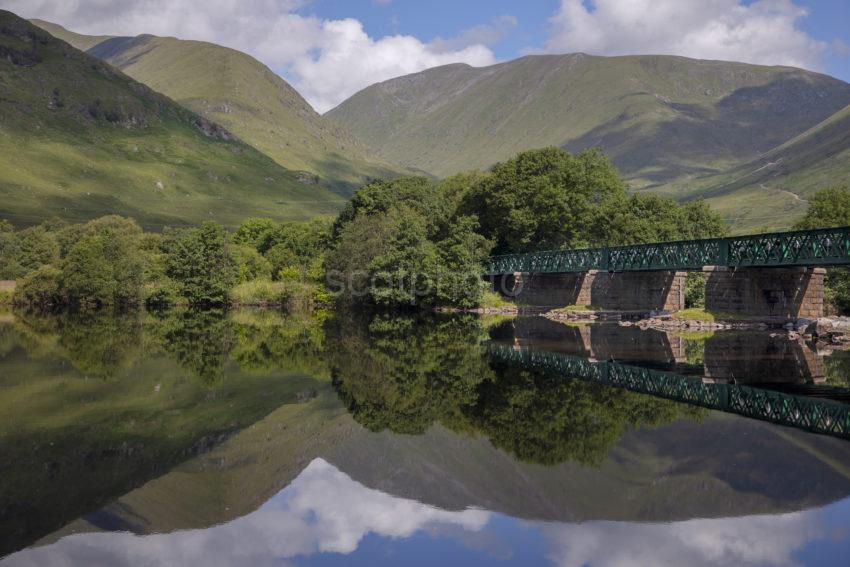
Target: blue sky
428 19
330 49
827 21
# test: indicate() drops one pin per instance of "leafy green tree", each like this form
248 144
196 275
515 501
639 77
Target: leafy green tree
830 207
405 274
399 243
105 269
542 199
647 217
386 259
306 239
419 194
253 232
359 243
41 287
199 260
250 264
297 246
456 187
462 253
10 267
36 247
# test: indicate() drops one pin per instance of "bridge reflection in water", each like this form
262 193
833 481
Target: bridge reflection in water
655 365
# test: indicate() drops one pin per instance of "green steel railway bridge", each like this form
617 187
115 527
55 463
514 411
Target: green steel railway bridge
775 274
817 415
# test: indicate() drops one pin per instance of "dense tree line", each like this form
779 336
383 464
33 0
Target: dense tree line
111 261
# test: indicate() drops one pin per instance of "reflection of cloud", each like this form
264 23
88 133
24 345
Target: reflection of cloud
323 510
752 540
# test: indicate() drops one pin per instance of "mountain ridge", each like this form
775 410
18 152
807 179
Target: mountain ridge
660 118
232 88
80 139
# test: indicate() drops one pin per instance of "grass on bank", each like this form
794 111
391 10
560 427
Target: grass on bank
694 335
285 293
492 300
701 314
576 308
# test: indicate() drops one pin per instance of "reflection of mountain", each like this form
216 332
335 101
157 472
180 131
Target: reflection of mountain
727 466
326 511
93 408
677 470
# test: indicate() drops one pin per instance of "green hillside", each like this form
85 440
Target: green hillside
79 139
240 93
661 118
771 191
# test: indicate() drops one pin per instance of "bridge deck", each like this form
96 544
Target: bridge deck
822 247
811 414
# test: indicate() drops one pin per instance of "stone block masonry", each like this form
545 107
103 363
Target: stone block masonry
619 291
545 290
792 293
638 291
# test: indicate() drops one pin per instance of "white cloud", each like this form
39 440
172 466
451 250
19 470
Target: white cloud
326 60
762 32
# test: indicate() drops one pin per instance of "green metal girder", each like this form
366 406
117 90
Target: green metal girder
811 414
821 247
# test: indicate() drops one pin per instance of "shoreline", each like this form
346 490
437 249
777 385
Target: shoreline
834 330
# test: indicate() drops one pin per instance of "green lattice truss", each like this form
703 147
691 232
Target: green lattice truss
811 414
823 247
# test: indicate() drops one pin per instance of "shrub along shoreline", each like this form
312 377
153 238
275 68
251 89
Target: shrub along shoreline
111 262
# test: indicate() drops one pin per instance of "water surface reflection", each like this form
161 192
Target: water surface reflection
252 437
324 512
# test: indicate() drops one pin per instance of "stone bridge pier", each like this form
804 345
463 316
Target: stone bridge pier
789 293
786 293
615 291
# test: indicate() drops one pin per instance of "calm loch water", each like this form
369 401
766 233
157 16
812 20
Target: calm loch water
254 438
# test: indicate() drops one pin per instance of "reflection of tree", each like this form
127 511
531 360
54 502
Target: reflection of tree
404 373
549 419
200 341
98 343
102 343
267 340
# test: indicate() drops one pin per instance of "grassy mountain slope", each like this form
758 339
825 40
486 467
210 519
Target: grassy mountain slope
660 118
79 139
81 42
240 93
771 191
